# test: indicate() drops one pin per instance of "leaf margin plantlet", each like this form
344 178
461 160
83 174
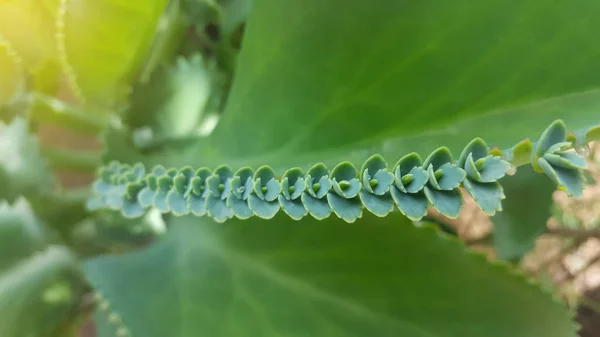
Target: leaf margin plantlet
412 185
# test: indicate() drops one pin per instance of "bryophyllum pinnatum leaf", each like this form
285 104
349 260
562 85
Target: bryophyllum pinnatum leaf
318 185
482 174
293 185
413 187
219 188
420 77
263 202
550 157
321 278
344 200
241 188
443 181
409 180
376 180
182 187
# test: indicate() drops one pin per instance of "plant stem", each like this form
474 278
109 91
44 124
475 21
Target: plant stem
46 109
587 302
71 160
575 233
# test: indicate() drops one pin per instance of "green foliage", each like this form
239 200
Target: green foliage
343 84
412 185
109 42
23 170
525 213
39 282
382 277
178 96
308 90
11 71
413 79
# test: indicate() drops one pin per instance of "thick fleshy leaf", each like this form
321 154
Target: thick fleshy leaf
294 208
217 209
488 196
380 205
239 207
278 278
197 204
376 166
165 183
493 169
242 183
263 202
263 208
412 205
448 203
348 209
317 207
438 157
451 178
131 208
147 194
384 179
407 163
266 187
318 182
477 148
293 184
567 160
219 183
569 180
471 168
177 198
199 183
555 133
345 181
418 180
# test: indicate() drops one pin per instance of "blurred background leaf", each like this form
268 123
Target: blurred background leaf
41 285
525 212
23 170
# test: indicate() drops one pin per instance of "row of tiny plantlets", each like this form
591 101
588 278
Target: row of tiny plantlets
412 185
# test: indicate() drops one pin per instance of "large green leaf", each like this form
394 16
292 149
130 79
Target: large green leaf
102 43
338 80
10 71
381 277
34 40
313 83
396 76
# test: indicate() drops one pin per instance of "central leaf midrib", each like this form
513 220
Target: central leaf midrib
242 261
